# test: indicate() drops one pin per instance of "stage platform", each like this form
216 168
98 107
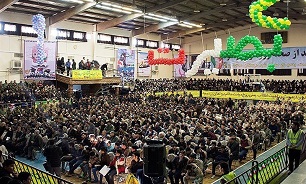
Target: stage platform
95 84
106 80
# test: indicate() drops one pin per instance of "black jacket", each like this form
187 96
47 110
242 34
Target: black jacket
53 155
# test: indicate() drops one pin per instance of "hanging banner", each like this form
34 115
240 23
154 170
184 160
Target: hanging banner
181 69
86 74
125 63
291 58
32 69
144 69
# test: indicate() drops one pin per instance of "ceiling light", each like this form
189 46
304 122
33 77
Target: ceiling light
162 17
75 1
224 20
196 11
275 14
222 4
192 24
131 9
113 9
154 18
184 25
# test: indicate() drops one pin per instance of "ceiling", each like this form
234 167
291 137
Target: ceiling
170 18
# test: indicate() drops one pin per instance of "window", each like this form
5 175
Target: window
241 71
140 43
63 34
28 31
121 40
176 47
301 72
224 72
103 38
10 27
152 44
79 36
0 26
267 37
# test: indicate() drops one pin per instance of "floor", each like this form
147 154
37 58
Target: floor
246 164
298 176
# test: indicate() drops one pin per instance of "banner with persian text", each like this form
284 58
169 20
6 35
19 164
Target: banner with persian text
86 74
291 58
33 70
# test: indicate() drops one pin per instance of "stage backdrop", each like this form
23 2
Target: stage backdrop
32 70
126 63
291 58
144 69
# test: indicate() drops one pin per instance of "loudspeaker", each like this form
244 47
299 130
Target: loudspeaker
154 160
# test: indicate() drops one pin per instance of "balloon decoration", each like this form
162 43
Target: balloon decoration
200 58
236 52
207 72
215 71
271 68
166 61
255 13
39 25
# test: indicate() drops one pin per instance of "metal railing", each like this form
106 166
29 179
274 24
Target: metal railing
38 176
264 171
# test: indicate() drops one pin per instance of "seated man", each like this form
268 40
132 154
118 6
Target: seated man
8 169
194 173
178 165
245 145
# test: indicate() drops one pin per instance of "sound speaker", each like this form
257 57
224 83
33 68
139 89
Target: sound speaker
154 160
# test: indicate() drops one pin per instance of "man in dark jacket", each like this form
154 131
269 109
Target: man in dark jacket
233 145
8 169
179 163
53 155
222 157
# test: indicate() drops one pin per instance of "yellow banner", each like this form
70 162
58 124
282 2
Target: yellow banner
86 74
243 95
194 93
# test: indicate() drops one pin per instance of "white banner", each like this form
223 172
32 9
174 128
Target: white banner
32 70
291 58
144 69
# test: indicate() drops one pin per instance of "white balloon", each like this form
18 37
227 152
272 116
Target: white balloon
215 71
200 58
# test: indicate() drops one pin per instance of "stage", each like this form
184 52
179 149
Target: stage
95 84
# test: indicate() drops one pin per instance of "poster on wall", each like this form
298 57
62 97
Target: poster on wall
126 63
181 69
33 70
144 69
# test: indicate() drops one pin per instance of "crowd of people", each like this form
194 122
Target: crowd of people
276 86
107 130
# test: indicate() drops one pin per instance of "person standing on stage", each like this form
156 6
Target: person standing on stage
295 140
